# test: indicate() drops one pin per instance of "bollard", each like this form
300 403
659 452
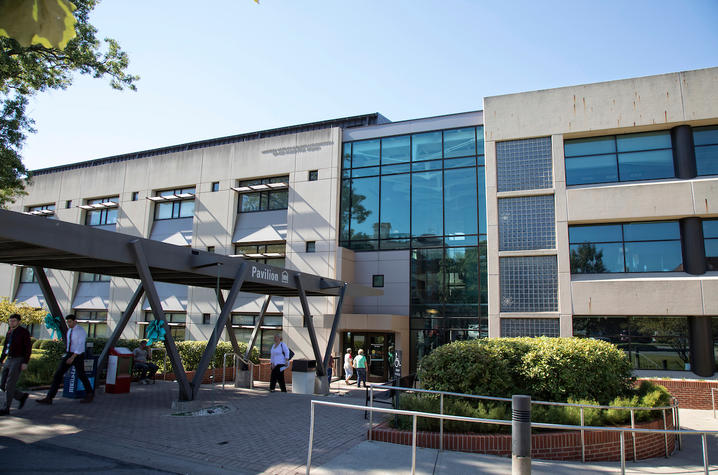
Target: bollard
520 435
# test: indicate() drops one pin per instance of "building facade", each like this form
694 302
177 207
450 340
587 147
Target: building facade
587 211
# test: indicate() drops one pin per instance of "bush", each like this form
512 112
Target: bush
455 407
548 369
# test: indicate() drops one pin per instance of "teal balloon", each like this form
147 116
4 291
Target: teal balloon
52 325
155 332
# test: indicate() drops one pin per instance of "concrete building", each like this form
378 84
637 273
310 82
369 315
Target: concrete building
586 210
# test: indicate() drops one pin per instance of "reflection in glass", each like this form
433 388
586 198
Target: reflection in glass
460 202
461 268
460 142
426 146
651 231
394 206
643 141
595 233
593 169
427 276
426 204
365 153
590 146
365 208
590 258
707 160
658 256
395 150
648 165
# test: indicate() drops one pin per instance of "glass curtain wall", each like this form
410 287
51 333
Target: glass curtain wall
424 192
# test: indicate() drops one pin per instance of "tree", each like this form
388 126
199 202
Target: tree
586 260
29 314
26 69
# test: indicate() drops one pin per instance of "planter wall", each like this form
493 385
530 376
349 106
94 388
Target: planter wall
691 394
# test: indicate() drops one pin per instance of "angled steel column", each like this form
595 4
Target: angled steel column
335 326
310 326
117 333
228 325
51 300
185 392
218 328
257 324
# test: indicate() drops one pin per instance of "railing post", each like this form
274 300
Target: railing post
713 401
311 438
633 434
520 435
441 422
583 440
413 446
665 435
677 414
705 453
371 413
623 453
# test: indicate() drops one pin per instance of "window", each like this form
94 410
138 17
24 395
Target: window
135 195
210 249
68 204
177 322
524 164
528 284
93 321
88 277
101 211
205 319
27 275
243 324
615 158
630 247
263 194
705 140
311 246
710 236
173 204
47 210
215 186
271 254
313 175
526 222
377 280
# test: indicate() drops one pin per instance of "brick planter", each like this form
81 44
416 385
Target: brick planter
564 445
262 372
691 394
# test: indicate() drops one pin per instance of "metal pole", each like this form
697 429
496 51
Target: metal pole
441 422
257 325
633 435
713 402
665 435
678 425
583 439
623 453
705 453
371 413
413 446
520 435
311 438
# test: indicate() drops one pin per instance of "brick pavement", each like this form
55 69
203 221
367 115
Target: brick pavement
263 433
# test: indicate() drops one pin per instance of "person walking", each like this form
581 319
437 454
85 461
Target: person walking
330 368
75 356
17 350
348 371
360 365
279 360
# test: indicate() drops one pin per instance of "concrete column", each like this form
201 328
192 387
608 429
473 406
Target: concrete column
684 157
701 346
693 246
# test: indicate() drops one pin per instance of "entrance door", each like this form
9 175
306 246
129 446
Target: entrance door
376 346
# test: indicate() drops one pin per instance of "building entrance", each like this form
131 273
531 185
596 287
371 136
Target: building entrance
377 348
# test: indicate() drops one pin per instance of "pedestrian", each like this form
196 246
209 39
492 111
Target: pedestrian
360 365
279 361
74 356
17 350
140 355
348 372
330 368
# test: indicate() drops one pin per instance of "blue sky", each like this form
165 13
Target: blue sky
225 67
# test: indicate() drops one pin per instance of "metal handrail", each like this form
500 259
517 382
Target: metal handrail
713 400
237 357
672 408
541 425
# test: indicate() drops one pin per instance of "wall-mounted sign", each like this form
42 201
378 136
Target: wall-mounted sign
312 147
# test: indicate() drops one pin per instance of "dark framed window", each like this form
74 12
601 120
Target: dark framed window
177 322
135 195
263 194
617 158
313 175
89 277
215 186
205 318
210 249
176 203
94 322
273 254
377 280
705 140
68 204
243 324
102 215
27 275
47 211
311 246
710 238
629 247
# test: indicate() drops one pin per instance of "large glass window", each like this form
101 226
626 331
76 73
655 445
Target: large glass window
94 322
264 196
460 202
614 158
177 203
655 343
630 247
177 322
243 325
705 140
273 254
394 204
88 277
47 211
710 236
364 222
103 214
426 200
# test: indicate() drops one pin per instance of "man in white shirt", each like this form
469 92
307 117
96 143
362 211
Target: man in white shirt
74 356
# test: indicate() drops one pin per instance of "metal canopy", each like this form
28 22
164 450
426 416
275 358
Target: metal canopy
48 243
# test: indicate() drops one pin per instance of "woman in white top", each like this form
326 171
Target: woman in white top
348 371
279 361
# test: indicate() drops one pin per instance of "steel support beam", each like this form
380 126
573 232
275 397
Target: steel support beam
51 300
228 325
218 328
185 392
257 324
117 333
335 327
310 326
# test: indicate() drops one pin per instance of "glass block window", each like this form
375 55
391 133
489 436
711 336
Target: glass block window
526 223
710 236
524 164
705 140
531 327
529 284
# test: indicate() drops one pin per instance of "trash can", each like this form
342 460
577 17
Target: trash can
303 376
119 371
72 387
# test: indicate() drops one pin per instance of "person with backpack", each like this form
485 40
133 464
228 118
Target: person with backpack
279 360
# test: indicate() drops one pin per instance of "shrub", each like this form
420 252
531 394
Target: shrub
455 407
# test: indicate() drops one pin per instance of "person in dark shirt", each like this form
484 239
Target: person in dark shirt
16 350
